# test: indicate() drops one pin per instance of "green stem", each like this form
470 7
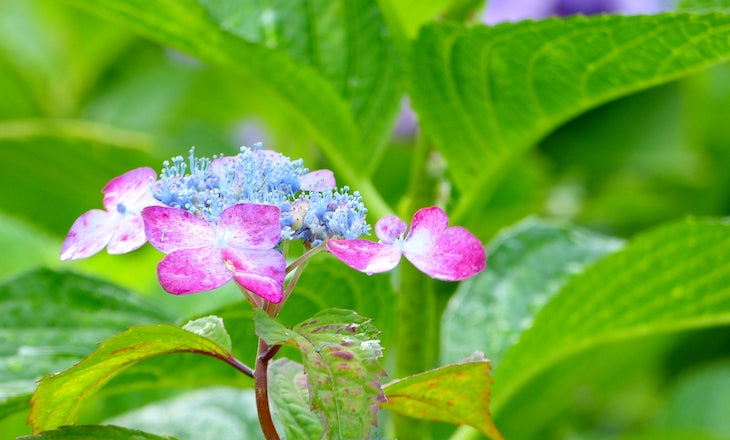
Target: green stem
417 308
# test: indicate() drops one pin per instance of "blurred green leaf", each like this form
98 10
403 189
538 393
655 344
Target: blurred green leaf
59 70
528 264
456 394
485 95
212 413
674 278
290 395
703 5
334 115
340 352
90 432
61 167
699 402
51 320
59 397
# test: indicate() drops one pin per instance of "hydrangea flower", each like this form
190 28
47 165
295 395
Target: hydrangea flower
445 253
513 10
120 228
203 255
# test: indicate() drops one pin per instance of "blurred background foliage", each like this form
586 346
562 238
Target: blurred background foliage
83 100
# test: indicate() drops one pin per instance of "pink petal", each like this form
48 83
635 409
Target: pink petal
319 180
451 254
260 271
89 234
219 166
169 229
389 228
187 271
251 226
131 189
128 235
365 256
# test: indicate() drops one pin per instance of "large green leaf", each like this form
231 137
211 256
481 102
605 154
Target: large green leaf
91 432
457 394
671 279
345 41
51 320
485 95
335 115
59 397
528 264
340 352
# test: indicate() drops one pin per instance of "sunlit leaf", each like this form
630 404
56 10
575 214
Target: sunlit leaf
210 327
340 351
91 432
290 394
485 95
59 397
457 394
528 264
674 278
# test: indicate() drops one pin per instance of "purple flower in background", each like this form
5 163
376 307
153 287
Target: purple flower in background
514 10
120 228
449 254
203 255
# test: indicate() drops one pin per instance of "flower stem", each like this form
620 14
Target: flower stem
265 354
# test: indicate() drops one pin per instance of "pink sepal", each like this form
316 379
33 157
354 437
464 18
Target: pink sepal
169 229
88 235
186 271
132 189
251 226
389 228
365 256
259 271
319 180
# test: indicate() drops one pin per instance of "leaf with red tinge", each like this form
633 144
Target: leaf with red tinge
59 397
340 352
457 394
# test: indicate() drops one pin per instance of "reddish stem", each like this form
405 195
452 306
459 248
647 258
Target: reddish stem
262 390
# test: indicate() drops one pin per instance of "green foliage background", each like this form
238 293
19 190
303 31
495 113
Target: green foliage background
625 154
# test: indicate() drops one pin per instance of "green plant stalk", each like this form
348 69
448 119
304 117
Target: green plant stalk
417 314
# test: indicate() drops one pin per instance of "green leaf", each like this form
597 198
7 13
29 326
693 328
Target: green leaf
67 162
210 327
345 41
485 95
91 432
211 413
336 116
698 402
456 394
340 351
528 264
59 397
674 278
704 5
51 320
290 395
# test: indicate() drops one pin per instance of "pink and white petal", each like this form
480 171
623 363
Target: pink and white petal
220 166
432 220
129 189
186 271
128 235
319 180
454 254
89 234
365 256
169 229
251 226
259 271
390 227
